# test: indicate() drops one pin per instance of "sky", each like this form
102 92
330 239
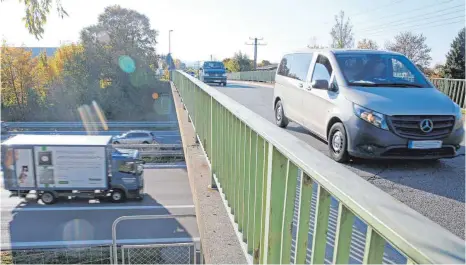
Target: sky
222 27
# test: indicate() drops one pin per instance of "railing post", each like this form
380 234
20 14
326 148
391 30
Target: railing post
213 133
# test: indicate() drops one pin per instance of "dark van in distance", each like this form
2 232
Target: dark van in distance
213 72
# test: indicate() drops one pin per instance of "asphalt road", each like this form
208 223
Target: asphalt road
436 190
27 223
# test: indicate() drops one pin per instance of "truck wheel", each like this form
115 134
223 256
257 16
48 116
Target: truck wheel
116 142
118 196
48 197
145 142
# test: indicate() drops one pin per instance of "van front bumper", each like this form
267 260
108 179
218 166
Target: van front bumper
215 79
367 141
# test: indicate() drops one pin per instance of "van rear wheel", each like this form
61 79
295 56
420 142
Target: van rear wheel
280 119
338 143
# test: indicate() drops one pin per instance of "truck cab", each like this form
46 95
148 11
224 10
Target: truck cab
213 72
127 174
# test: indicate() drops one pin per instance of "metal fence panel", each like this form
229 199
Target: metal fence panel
338 216
176 253
74 255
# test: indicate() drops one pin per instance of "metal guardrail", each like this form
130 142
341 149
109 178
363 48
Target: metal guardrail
259 76
454 88
264 172
26 125
152 259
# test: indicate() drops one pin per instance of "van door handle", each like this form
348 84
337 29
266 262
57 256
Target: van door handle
301 85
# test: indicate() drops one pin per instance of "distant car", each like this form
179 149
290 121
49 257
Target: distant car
191 73
4 127
135 137
213 72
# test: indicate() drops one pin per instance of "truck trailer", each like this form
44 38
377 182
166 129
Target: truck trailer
81 166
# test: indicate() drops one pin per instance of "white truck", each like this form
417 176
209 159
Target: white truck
71 166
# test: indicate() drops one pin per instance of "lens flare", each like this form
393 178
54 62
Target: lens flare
126 64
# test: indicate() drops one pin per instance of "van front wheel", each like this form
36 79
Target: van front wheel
338 143
280 118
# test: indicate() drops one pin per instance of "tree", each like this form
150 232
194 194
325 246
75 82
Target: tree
367 44
20 77
342 32
245 64
454 66
413 46
232 65
36 14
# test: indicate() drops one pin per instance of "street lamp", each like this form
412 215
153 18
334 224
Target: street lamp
169 41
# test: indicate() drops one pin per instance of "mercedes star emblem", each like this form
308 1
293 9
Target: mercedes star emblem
426 125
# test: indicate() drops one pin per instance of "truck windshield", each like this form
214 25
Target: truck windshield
213 65
380 70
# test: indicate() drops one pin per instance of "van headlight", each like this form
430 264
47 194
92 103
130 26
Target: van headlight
372 117
458 117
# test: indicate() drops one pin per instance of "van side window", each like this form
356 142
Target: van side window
284 67
295 66
322 70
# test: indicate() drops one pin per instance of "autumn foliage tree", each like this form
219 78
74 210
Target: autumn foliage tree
23 80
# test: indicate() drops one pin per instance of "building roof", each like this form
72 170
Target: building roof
61 140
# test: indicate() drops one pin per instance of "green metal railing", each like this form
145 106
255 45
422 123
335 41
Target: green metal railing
454 88
269 179
259 76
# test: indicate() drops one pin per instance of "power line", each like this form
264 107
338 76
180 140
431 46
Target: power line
424 26
401 24
397 22
255 48
423 23
412 10
374 9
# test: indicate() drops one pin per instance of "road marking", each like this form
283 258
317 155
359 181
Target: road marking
97 242
94 208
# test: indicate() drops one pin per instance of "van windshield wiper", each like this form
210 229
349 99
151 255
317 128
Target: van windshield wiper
370 84
399 85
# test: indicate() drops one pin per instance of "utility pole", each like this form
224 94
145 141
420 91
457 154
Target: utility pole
211 57
170 41
255 48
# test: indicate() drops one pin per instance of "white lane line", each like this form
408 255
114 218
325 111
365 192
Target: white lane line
95 208
97 242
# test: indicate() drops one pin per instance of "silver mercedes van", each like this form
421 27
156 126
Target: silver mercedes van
368 104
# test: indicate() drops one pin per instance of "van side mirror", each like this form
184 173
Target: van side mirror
320 84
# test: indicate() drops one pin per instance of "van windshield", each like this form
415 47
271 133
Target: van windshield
376 70
213 65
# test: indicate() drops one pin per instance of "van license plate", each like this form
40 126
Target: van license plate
431 144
